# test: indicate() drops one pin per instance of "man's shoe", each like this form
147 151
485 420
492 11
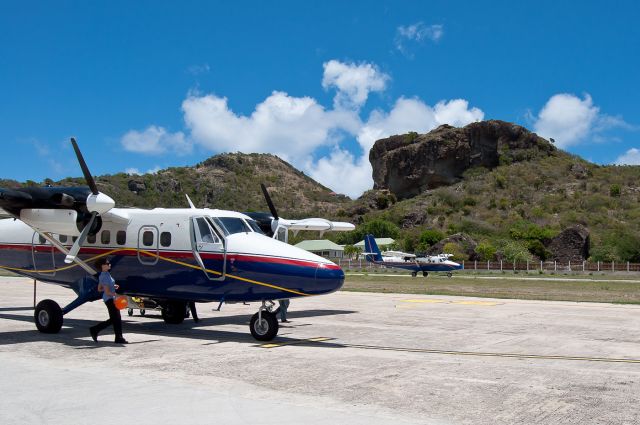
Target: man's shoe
94 334
121 341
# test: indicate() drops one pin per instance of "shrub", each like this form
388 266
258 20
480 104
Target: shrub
614 191
486 251
456 250
431 237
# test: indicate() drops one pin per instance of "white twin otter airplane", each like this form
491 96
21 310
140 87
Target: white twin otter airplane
170 256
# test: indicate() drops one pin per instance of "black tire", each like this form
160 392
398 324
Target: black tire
449 274
265 330
142 312
414 274
130 311
48 317
173 312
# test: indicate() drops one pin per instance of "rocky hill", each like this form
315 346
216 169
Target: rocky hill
412 163
226 181
507 188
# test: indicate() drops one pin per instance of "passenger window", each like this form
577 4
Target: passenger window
105 237
121 237
41 239
147 238
91 238
63 238
165 238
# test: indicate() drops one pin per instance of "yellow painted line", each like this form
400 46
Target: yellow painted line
303 341
424 301
490 303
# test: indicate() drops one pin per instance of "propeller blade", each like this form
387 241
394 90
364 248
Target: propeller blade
272 208
85 170
73 252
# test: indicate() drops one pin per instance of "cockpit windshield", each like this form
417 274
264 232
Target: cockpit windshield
233 225
255 227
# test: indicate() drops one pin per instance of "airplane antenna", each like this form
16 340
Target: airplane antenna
193 207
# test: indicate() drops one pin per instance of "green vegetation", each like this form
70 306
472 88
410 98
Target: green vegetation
584 289
517 208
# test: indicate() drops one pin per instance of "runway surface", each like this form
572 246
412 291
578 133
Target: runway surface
346 358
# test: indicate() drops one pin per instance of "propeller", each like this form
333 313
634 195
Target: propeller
272 208
97 203
276 219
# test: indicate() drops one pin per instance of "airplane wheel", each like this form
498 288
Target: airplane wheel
449 274
414 274
265 329
130 312
142 312
48 317
173 312
425 274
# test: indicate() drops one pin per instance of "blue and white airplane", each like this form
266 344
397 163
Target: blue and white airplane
169 256
402 260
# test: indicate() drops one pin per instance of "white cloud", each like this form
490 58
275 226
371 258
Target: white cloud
630 157
353 82
414 115
291 127
570 120
416 33
295 127
155 140
136 172
342 172
198 69
566 118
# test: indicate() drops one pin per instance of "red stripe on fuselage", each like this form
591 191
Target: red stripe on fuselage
183 254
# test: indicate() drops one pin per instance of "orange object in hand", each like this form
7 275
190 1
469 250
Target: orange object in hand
121 302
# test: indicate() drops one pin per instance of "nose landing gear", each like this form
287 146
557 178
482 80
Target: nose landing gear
264 324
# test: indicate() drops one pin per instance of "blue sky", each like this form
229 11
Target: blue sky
148 85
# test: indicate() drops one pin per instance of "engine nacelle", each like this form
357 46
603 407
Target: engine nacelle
62 222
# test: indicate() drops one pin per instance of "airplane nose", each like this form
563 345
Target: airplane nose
329 278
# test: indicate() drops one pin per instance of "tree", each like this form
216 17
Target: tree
351 251
430 237
456 250
486 251
379 228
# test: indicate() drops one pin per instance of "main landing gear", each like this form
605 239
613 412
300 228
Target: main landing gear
49 316
264 324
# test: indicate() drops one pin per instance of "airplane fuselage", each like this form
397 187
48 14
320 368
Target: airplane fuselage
166 254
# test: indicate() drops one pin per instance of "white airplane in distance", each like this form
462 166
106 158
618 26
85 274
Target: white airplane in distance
171 256
405 261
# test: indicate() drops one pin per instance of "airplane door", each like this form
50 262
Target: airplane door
42 252
207 238
148 244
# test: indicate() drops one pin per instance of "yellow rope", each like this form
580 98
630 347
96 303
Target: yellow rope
152 254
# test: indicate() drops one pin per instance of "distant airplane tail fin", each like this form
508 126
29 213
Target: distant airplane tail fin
372 252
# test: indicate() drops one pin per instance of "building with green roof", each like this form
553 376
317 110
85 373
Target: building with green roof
323 248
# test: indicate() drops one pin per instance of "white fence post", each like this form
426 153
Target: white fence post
598 265
555 266
527 266
583 265
613 267
569 265
500 265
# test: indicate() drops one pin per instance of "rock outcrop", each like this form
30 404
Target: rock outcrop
572 244
412 163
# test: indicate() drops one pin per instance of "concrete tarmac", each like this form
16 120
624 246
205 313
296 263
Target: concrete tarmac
346 358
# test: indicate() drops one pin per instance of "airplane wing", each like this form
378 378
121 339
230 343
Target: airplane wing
317 224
